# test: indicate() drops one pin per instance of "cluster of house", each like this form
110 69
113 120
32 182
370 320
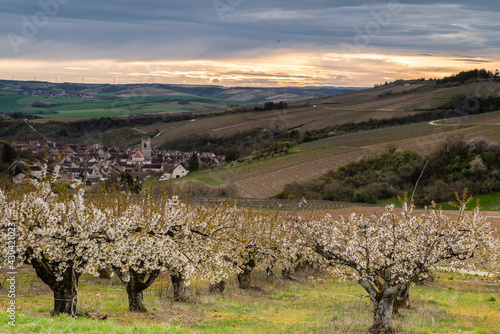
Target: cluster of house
98 162
60 93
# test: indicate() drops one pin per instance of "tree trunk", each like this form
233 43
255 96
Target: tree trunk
304 266
135 298
179 286
218 287
244 276
137 283
286 273
66 293
104 274
382 315
300 267
65 290
402 299
269 274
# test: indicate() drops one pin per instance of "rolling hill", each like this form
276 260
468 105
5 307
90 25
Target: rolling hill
308 161
266 176
76 101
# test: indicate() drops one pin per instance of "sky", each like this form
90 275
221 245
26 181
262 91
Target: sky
246 42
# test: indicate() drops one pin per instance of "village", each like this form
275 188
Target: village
97 163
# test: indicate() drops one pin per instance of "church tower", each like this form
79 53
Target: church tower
146 147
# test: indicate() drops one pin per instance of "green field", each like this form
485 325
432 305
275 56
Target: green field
81 107
208 181
7 92
16 102
449 304
487 202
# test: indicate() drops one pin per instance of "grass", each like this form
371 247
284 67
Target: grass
8 92
463 304
209 181
16 102
80 107
63 324
487 202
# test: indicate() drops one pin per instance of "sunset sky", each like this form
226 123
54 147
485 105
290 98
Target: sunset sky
246 42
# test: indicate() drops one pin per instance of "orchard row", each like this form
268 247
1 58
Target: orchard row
64 234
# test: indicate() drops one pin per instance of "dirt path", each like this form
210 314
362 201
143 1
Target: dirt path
438 124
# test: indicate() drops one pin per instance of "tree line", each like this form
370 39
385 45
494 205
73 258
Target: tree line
466 76
455 166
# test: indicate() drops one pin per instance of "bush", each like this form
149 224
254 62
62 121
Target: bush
457 165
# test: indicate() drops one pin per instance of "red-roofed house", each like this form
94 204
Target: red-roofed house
138 157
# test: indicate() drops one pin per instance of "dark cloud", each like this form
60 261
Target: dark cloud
474 60
151 30
148 30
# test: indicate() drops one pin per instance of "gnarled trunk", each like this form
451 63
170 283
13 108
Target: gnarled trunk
66 293
382 296
382 316
402 299
137 283
244 275
217 287
135 298
286 273
65 290
179 285
269 274
301 266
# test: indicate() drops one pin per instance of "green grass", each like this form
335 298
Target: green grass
26 323
16 102
209 181
464 304
81 107
488 202
8 92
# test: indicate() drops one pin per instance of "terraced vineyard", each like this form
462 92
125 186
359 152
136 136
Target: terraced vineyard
267 177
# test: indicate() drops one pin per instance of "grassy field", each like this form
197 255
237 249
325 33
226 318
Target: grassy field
16 102
81 107
487 202
450 304
7 92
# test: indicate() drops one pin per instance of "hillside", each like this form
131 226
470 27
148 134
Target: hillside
313 135
76 101
308 161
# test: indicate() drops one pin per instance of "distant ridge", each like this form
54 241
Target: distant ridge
237 93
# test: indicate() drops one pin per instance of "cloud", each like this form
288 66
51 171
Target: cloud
474 60
76 68
122 32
